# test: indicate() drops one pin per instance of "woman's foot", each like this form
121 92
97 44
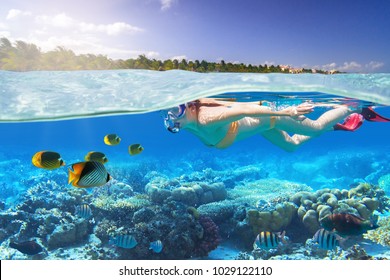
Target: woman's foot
351 123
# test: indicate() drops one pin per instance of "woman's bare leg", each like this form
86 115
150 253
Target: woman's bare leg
281 139
314 127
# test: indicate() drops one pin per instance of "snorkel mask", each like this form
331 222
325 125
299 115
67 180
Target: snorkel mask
171 116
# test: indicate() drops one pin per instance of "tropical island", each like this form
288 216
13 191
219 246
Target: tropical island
23 56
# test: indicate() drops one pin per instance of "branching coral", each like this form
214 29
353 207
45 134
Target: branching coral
111 204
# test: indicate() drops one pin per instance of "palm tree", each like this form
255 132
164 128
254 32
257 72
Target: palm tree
6 51
23 57
61 59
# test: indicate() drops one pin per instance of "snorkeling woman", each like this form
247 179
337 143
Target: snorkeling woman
219 123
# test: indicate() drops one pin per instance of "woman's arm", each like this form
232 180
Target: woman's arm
223 115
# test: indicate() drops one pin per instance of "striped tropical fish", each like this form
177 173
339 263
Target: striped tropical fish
268 240
47 160
83 211
88 174
326 240
112 139
135 149
123 241
96 156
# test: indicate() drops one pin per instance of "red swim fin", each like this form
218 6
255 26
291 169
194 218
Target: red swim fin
351 123
372 116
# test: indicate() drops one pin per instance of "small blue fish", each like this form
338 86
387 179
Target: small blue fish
326 240
268 240
123 241
156 246
83 211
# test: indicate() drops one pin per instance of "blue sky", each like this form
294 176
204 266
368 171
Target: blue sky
343 35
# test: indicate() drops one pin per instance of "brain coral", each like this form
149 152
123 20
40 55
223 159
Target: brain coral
362 201
275 220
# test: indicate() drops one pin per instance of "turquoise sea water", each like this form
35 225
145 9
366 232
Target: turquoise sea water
38 204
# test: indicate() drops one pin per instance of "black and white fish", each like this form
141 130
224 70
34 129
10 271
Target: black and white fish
268 240
123 241
83 211
326 240
88 174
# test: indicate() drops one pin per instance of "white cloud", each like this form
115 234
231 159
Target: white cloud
112 29
166 4
63 21
50 31
329 66
353 66
374 65
14 13
269 63
3 25
179 57
118 28
149 54
4 34
92 46
60 20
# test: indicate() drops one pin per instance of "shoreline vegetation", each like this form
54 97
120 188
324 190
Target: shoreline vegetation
22 56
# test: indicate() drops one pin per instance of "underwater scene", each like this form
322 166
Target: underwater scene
89 168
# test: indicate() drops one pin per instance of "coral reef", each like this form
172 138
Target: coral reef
113 207
264 254
361 200
299 213
189 193
229 179
355 252
220 211
384 183
271 190
67 234
180 233
380 235
275 220
134 174
231 213
46 213
309 251
192 209
210 239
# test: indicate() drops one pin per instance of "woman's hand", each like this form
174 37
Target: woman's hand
304 108
301 109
